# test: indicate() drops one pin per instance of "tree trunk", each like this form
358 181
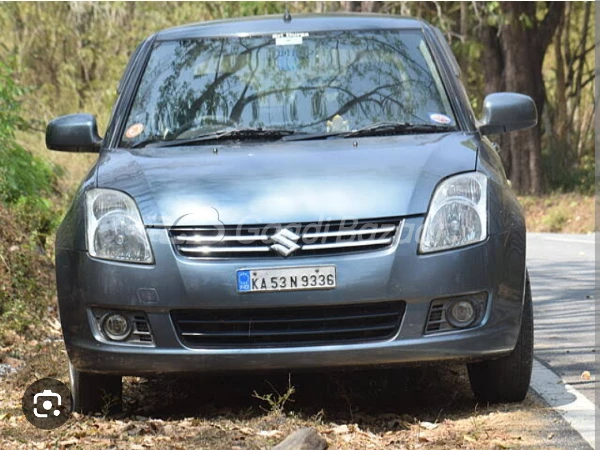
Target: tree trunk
351 6
494 81
524 43
366 6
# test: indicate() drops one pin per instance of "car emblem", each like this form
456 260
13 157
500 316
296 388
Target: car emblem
285 242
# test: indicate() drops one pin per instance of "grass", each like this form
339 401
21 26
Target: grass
560 213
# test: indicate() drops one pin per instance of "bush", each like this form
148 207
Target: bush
566 171
21 174
27 218
25 180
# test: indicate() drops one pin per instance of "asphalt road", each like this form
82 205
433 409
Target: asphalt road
561 269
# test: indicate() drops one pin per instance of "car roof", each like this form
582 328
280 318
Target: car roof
300 23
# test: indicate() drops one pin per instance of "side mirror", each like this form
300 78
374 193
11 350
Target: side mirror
73 133
507 111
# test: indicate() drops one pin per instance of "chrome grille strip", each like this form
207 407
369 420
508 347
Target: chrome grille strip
209 249
349 233
385 241
216 239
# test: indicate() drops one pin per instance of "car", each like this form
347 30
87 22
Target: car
294 193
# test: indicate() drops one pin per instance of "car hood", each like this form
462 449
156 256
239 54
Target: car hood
287 182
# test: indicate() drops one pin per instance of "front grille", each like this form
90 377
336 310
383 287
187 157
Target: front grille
304 239
298 326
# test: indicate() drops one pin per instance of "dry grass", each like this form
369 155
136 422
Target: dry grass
560 213
401 409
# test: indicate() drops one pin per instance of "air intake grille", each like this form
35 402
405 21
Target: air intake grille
437 318
305 239
140 333
302 326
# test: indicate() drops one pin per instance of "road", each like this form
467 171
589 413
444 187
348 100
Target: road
562 272
561 268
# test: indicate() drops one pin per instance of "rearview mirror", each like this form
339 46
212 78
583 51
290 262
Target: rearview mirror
507 111
73 133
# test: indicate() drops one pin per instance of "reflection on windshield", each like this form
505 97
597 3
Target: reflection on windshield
317 83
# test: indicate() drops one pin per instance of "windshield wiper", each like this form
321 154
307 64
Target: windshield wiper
377 129
236 133
384 128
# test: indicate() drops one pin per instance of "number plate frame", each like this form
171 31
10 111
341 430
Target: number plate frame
245 285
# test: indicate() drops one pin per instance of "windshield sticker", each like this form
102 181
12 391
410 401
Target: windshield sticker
440 118
337 124
134 131
289 38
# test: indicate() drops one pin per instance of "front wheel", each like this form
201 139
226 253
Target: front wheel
95 392
507 379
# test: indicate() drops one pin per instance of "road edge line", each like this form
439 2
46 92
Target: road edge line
573 406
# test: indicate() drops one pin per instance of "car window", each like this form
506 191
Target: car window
304 82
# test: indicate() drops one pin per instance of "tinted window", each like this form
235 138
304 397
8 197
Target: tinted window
311 83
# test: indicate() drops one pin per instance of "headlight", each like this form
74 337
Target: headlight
457 215
114 227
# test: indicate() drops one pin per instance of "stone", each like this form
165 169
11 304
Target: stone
303 439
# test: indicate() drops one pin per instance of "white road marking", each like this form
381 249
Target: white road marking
580 241
573 406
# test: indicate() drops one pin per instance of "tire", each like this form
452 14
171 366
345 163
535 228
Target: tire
95 393
507 379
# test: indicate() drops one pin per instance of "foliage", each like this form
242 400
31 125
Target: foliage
276 400
559 213
27 218
26 279
23 177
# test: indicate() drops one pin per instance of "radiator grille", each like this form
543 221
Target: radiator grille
305 239
301 326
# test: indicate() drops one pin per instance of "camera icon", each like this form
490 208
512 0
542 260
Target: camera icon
49 401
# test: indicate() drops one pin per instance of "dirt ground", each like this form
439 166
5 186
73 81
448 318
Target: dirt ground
406 408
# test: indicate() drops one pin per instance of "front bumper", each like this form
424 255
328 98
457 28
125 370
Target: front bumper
496 266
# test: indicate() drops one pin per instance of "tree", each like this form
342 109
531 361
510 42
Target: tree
524 39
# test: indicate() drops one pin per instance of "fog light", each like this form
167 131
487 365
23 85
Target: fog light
461 313
116 327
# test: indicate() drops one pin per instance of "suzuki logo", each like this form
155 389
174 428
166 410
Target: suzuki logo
285 242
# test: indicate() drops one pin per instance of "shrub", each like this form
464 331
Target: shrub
21 174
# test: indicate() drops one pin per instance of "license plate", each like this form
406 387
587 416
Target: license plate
286 279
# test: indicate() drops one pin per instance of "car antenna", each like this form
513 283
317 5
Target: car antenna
287 17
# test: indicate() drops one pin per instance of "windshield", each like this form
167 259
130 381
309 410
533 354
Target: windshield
313 83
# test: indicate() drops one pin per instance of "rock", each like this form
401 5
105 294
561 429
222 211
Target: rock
303 439
341 429
429 425
13 362
6 369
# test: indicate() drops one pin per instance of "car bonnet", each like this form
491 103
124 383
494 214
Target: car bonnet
288 182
